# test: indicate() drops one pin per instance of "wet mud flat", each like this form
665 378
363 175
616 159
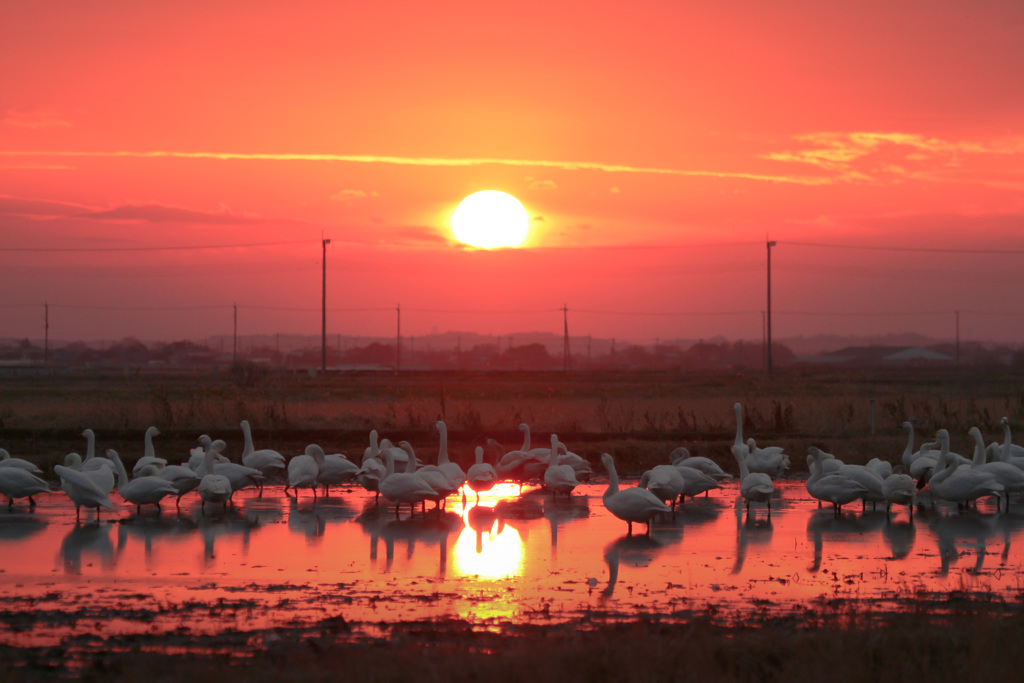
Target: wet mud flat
286 589
948 638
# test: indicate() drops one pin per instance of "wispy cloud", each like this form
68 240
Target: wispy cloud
348 196
539 184
437 162
869 156
34 118
155 213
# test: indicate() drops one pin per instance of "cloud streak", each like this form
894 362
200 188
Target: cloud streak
437 162
871 156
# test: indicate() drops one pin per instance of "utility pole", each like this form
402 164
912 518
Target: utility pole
566 357
398 338
764 340
768 326
46 333
234 338
323 327
957 336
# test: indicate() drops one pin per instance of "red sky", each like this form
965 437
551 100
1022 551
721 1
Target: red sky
655 144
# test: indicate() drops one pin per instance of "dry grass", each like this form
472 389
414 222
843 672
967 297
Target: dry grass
638 416
911 647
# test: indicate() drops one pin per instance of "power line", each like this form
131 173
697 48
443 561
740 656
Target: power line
928 250
161 248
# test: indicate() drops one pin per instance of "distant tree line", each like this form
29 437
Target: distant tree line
717 355
131 352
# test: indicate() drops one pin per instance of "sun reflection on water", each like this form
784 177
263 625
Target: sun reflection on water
488 548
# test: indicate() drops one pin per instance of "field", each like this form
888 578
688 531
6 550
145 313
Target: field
639 418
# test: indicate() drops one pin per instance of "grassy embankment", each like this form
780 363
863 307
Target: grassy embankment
639 417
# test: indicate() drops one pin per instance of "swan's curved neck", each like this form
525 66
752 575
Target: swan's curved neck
122 474
739 452
1006 441
247 433
979 447
150 451
739 425
817 469
909 450
442 453
90 445
411 465
554 452
613 480
208 457
526 437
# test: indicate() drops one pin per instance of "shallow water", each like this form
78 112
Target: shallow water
273 563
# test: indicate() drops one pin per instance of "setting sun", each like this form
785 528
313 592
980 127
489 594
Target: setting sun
490 219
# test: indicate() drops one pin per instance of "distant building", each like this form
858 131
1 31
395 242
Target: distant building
878 355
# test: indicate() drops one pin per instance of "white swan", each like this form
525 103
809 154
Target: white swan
680 457
18 483
754 486
632 504
91 462
899 489
452 470
481 476
144 490
304 469
577 462
182 478
696 482
82 490
882 468
213 488
520 465
870 480
266 460
149 454
771 461
335 471
1011 477
432 474
1008 453
403 487
959 484
666 482
241 477
103 477
837 489
559 478
17 463
372 469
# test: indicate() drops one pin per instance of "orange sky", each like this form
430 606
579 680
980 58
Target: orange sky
655 145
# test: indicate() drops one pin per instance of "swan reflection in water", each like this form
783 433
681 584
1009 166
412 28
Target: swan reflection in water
900 536
85 541
840 527
563 510
749 529
17 526
310 519
483 518
148 528
634 551
433 529
232 522
972 529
